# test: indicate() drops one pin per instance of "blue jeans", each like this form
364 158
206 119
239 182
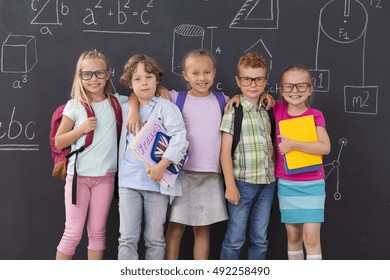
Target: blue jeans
133 204
254 205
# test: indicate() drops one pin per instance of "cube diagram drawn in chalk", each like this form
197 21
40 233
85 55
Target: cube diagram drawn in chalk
18 54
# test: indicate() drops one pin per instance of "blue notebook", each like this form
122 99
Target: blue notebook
310 168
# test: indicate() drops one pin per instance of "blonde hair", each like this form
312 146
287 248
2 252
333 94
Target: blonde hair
304 69
149 63
198 53
78 92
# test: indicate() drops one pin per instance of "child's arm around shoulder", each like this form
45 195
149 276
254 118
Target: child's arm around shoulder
235 101
173 122
122 99
134 121
163 92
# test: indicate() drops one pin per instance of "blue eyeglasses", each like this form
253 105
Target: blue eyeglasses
87 75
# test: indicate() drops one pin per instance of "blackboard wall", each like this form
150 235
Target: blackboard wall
345 43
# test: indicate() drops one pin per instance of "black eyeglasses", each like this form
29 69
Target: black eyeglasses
87 75
246 81
301 87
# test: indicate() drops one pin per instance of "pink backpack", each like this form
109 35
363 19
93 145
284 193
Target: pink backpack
61 156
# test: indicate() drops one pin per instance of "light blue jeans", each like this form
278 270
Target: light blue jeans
254 207
133 205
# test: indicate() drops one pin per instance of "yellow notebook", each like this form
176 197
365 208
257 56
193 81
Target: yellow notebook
300 129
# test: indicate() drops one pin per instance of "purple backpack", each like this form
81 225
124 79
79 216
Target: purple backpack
182 95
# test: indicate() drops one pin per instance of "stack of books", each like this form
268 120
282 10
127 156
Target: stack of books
300 129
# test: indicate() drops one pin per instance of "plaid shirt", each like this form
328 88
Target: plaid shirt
253 159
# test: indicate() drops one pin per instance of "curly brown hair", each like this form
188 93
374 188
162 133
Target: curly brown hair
252 60
150 64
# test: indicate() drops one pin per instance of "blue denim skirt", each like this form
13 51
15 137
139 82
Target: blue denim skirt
301 201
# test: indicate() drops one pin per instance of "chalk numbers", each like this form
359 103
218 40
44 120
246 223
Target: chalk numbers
18 83
376 4
321 79
361 99
47 14
122 13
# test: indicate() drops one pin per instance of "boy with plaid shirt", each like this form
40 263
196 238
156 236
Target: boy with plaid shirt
249 169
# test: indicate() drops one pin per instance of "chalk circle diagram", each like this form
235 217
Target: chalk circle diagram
186 37
344 21
257 14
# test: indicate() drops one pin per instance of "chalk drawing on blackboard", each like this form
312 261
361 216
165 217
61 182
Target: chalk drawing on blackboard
261 48
336 165
361 99
117 32
345 22
186 37
122 15
321 79
19 147
19 136
47 14
211 28
18 54
113 87
257 14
